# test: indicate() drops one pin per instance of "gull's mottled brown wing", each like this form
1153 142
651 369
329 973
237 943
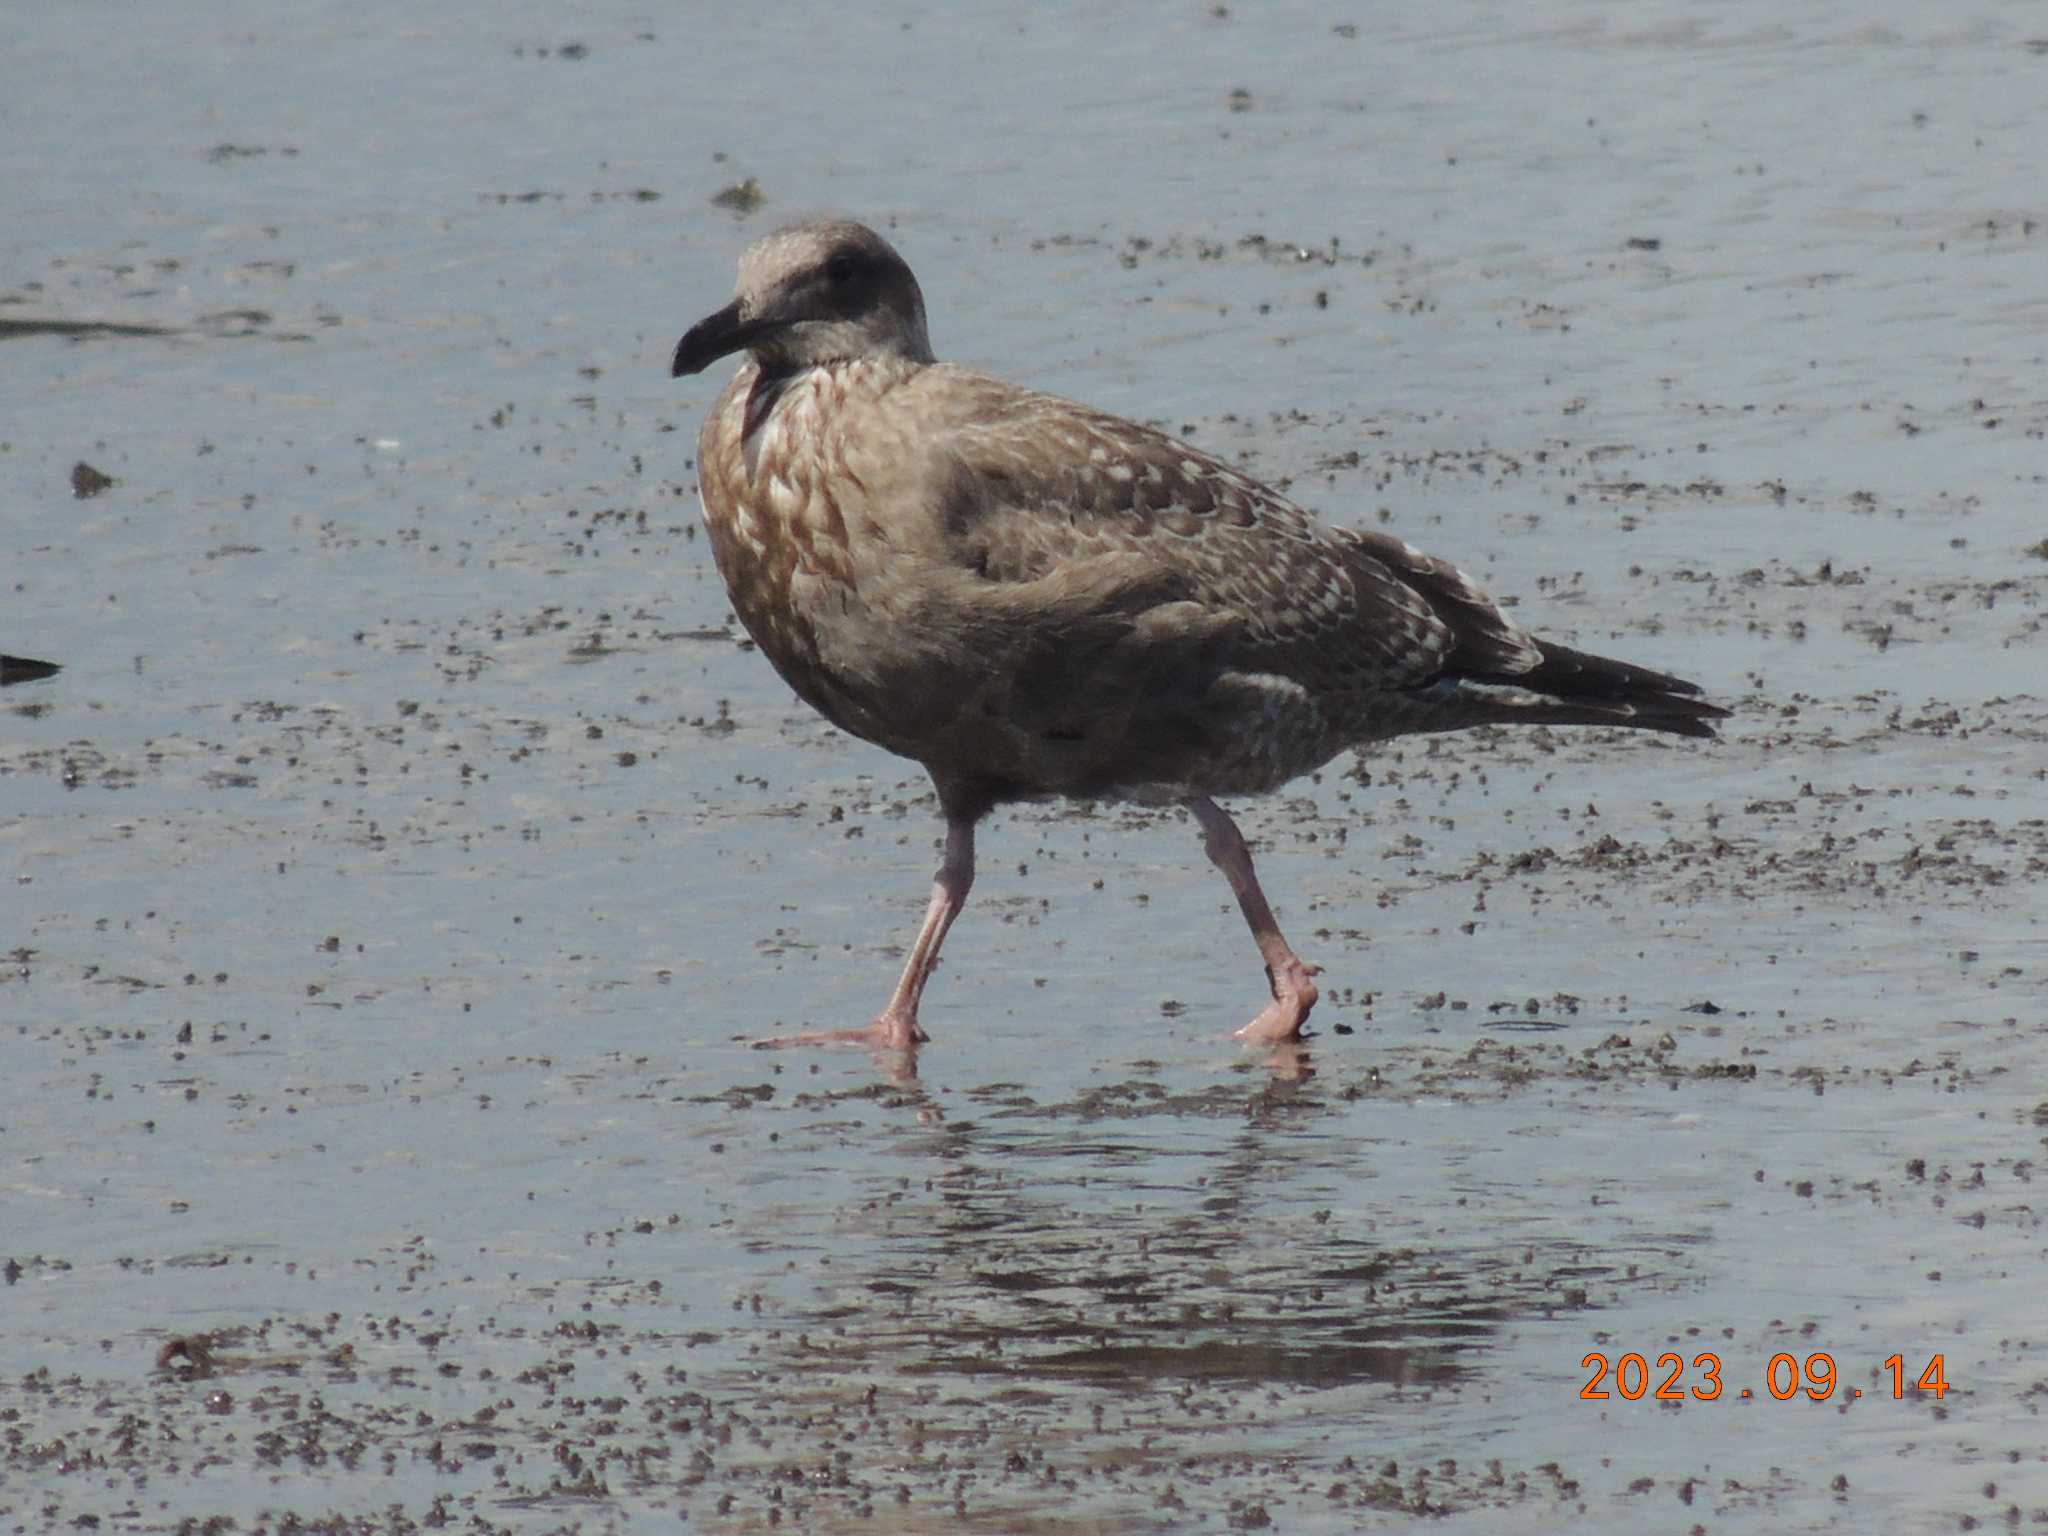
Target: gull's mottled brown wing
1041 489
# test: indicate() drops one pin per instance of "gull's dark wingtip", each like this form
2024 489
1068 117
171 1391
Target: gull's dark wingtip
1573 687
1684 717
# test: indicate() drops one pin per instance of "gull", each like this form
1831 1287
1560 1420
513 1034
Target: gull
1036 600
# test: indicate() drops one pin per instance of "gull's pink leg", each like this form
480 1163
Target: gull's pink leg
1294 993
896 1027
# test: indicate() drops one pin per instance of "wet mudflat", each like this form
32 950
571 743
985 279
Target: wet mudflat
409 846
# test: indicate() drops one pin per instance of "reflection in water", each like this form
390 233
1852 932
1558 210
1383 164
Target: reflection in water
1226 1278
1134 1235
1137 1280
1289 1061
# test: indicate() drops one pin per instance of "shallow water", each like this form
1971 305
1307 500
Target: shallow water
408 844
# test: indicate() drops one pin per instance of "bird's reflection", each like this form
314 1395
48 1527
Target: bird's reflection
1289 1061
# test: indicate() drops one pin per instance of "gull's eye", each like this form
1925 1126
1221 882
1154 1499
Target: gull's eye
839 271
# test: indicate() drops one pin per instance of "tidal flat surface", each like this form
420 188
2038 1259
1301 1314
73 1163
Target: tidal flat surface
398 869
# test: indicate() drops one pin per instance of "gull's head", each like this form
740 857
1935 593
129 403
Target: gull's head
825 291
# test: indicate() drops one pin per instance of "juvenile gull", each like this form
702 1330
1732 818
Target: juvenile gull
1035 599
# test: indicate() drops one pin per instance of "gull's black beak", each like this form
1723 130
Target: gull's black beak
716 335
